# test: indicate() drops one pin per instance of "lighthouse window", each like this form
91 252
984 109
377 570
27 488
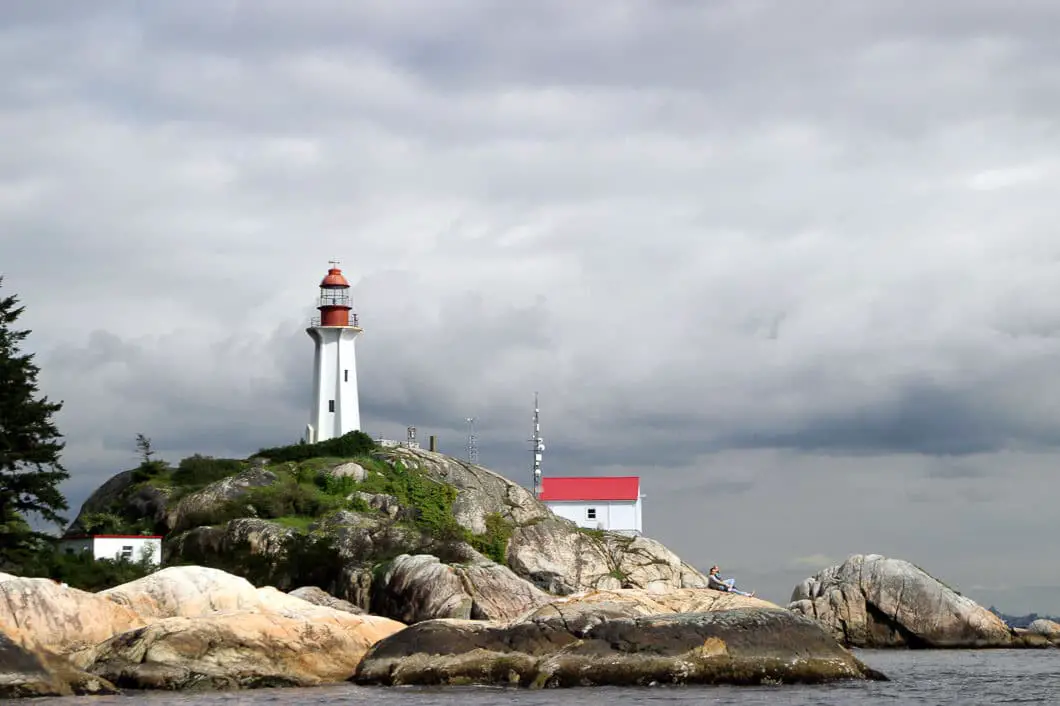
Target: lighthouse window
590 513
331 405
345 375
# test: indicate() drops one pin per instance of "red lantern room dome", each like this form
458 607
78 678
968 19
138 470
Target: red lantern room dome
334 302
334 280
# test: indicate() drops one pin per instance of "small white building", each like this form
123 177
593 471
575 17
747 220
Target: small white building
596 502
130 547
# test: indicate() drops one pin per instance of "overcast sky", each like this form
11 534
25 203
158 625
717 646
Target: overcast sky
794 264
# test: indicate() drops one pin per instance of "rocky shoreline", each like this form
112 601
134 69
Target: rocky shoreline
200 628
418 568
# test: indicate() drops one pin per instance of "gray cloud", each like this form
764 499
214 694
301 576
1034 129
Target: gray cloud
803 282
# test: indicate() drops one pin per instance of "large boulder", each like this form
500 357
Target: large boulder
50 616
873 601
750 646
238 649
37 672
193 591
318 596
646 563
1048 629
421 587
560 558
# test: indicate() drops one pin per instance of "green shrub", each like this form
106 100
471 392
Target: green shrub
115 523
149 470
494 541
358 504
82 570
336 485
199 471
355 443
288 498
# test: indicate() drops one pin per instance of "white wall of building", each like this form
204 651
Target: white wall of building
614 515
130 548
336 406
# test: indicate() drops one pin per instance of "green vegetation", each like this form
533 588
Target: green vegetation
82 570
195 472
355 443
597 534
148 468
30 446
494 541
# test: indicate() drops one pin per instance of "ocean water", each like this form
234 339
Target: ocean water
918 677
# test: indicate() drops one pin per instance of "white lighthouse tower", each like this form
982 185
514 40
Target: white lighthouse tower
336 409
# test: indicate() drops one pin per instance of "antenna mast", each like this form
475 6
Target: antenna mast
538 447
472 445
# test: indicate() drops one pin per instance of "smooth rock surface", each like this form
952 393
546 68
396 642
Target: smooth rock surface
348 470
420 587
43 614
874 601
1046 628
749 646
238 649
190 591
318 596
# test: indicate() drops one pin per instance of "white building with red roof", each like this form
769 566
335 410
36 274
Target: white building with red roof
596 502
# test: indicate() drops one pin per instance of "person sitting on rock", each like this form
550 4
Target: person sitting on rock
719 584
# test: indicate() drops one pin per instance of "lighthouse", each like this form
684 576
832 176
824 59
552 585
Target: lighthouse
336 409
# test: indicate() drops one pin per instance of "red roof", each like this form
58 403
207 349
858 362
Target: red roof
334 279
590 488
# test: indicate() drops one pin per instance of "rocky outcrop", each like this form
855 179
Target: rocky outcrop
179 627
124 493
318 596
238 649
192 591
561 559
481 492
246 545
873 601
420 587
751 646
349 552
1048 629
57 618
37 672
202 506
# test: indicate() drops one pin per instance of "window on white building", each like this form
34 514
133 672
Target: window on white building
331 405
126 552
345 375
590 513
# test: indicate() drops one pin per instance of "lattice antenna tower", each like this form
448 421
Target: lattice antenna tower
472 441
538 448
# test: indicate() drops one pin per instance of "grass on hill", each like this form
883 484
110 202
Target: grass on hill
305 492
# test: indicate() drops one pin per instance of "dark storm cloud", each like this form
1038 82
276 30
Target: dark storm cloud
792 263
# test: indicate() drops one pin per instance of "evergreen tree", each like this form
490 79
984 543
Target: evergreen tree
30 444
